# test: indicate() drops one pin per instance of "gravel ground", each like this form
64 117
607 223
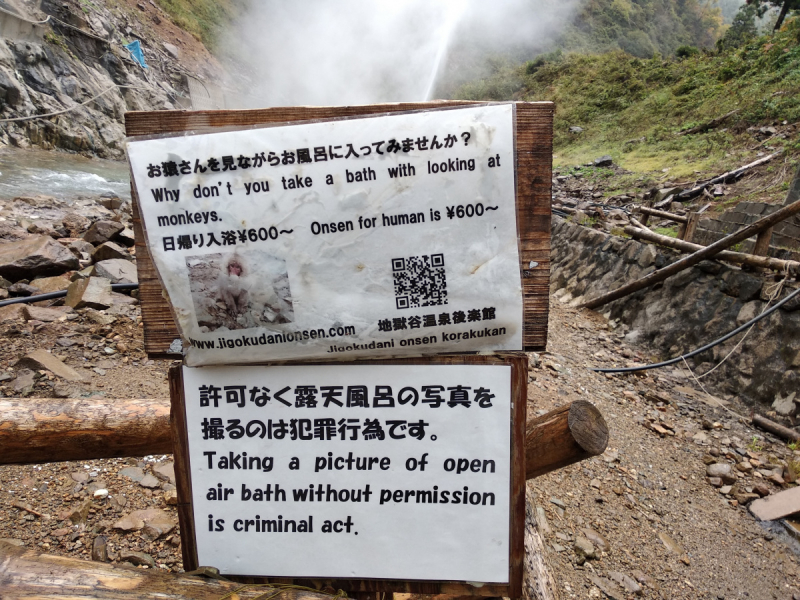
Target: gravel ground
643 515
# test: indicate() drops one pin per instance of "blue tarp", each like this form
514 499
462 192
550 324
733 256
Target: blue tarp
136 53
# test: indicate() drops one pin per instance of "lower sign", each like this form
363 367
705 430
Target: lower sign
394 472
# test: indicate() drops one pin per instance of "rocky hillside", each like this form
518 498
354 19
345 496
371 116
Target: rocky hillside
68 59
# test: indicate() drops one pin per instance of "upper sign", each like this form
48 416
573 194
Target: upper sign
369 237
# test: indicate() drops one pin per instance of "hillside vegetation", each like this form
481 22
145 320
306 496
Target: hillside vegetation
202 18
633 108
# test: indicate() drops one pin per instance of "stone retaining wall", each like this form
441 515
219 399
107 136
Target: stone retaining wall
686 311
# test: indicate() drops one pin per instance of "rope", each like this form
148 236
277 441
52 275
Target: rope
61 112
79 30
725 337
21 18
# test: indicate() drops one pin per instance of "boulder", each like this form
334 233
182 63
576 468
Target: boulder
94 292
36 256
102 231
45 314
117 270
110 251
45 285
603 161
75 224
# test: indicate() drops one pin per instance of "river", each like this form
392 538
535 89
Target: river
60 174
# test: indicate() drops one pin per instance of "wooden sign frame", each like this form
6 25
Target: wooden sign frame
533 169
519 381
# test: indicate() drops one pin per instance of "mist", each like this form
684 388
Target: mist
321 52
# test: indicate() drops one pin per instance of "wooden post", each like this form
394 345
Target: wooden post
762 242
564 436
40 430
689 228
693 259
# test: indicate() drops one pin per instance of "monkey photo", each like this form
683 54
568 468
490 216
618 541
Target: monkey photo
233 291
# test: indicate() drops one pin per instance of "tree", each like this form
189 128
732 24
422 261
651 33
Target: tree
743 28
786 6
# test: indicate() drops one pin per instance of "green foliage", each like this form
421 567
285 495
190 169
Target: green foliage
668 231
686 51
633 108
202 18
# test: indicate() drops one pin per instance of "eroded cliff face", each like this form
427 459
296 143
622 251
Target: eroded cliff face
75 64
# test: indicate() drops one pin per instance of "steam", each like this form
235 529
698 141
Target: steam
323 52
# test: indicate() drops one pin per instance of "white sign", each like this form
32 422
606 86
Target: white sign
370 237
352 471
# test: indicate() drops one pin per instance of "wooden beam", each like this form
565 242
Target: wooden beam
693 259
741 258
564 436
661 214
724 178
41 430
776 429
29 574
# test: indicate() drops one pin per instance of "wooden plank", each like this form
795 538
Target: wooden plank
519 378
777 505
533 152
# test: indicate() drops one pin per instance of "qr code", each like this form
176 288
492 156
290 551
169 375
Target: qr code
419 281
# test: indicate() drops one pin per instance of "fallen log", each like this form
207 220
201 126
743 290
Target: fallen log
774 428
564 436
41 430
693 259
709 124
741 258
724 178
28 574
38 430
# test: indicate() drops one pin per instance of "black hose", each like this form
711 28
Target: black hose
119 287
727 336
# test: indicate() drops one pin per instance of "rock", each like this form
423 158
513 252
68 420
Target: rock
559 503
171 497
607 587
725 489
721 470
80 512
785 407
102 231
165 472
81 247
94 292
126 237
12 312
715 481
744 467
158 522
45 315
172 50
584 548
12 541
138 559
761 489
79 476
98 317
603 161
626 582
23 382
110 251
117 270
596 539
22 289
576 130
35 256
110 201
744 498
100 549
42 359
132 473
45 285
75 224
149 481
669 543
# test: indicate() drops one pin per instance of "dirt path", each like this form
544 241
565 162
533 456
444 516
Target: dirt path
645 508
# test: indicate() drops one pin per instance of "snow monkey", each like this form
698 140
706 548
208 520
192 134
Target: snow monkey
232 287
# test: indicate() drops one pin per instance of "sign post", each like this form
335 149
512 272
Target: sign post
328 235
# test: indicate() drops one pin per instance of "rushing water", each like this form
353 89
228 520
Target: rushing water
60 174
